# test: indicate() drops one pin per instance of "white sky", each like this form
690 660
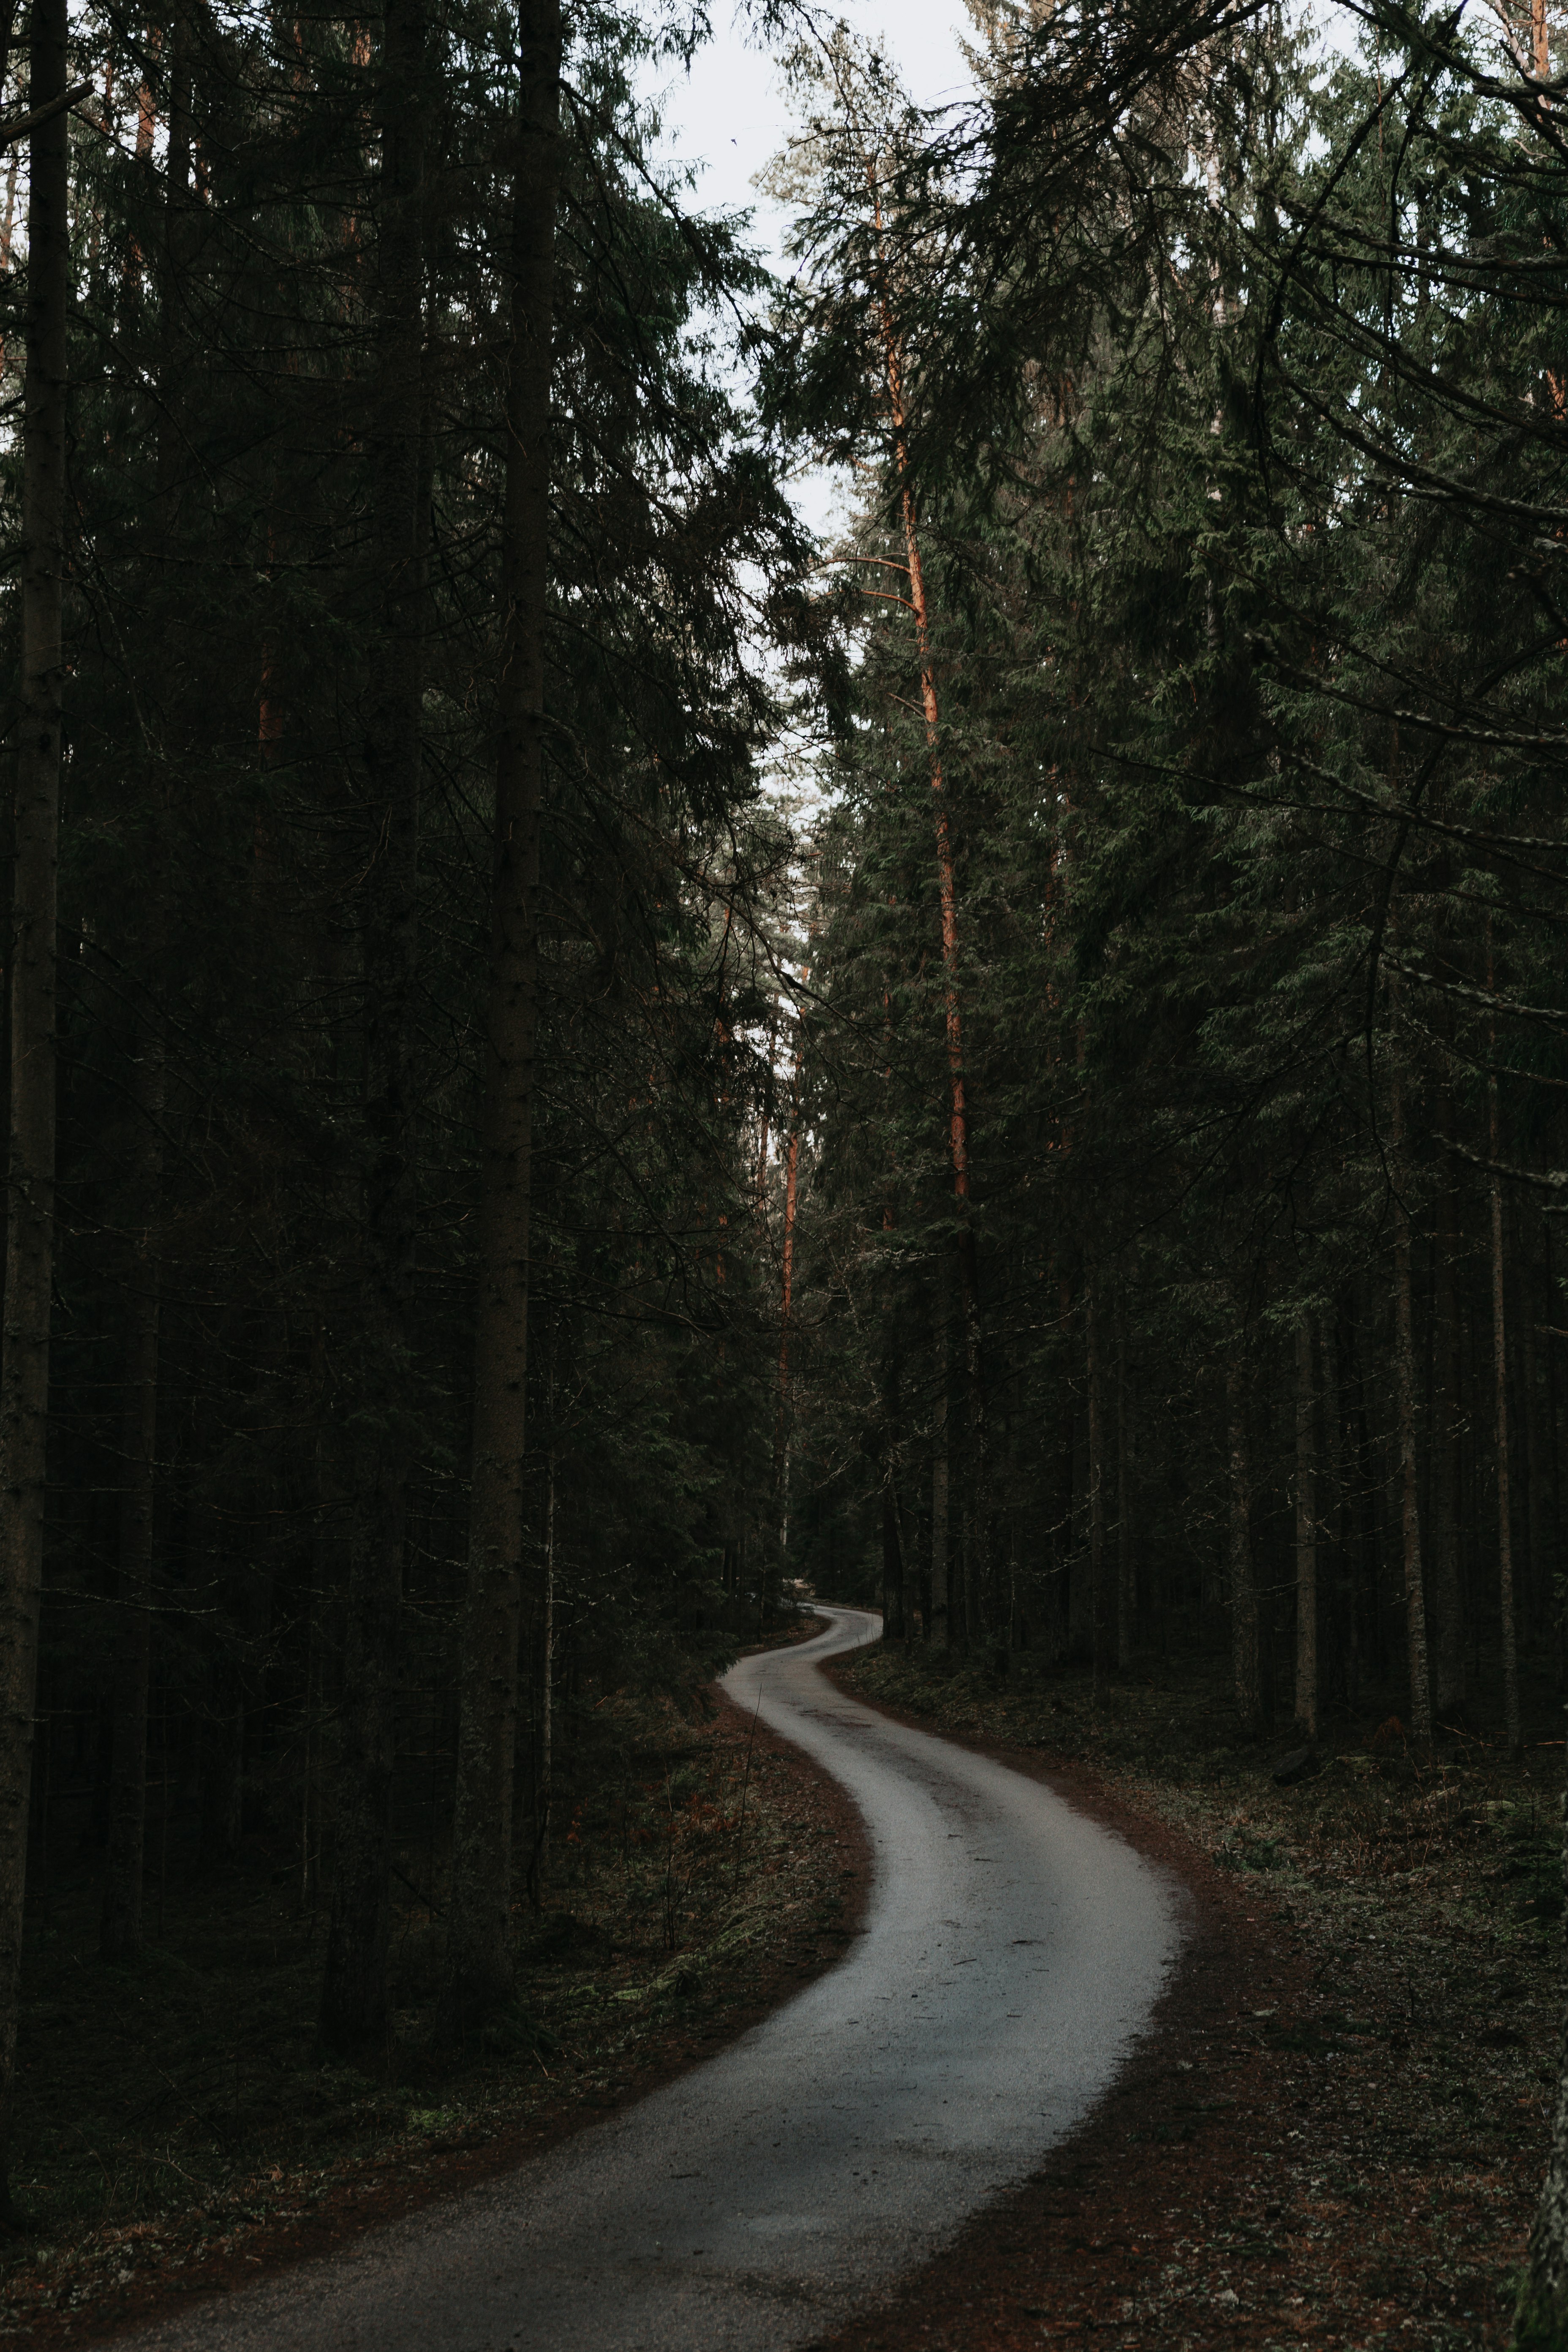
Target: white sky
730 116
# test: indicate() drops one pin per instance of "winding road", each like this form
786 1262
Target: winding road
1011 1950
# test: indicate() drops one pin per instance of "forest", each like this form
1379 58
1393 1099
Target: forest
583 1061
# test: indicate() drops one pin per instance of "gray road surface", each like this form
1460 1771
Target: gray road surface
1011 1950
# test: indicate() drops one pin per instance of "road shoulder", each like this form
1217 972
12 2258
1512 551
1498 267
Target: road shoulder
1272 2168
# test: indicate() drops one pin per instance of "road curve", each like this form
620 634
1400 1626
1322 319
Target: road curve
1011 1950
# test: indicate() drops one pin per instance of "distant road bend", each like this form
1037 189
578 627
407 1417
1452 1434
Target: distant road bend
1011 1950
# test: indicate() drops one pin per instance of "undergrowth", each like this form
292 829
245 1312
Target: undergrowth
168 2106
1425 1895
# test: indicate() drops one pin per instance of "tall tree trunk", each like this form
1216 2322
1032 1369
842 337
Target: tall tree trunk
1405 1413
29 1224
1448 1586
479 1958
1306 1534
892 1559
1511 1722
544 1784
1126 1585
1244 1660
1542 1481
1337 1514
894 1598
947 892
787 1301
120 1927
942 1628
1102 1626
547 1670
961 1597
1553 1429
1541 2319
766 1106
354 1998
1373 1469
1065 1523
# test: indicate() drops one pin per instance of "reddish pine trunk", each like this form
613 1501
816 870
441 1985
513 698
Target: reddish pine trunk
958 1115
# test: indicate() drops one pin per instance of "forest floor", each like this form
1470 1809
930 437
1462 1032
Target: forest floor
178 2131
1334 2131
1331 2136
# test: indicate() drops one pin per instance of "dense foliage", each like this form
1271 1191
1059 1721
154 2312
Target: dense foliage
1236 463
275 863
1093 1183
1183 1034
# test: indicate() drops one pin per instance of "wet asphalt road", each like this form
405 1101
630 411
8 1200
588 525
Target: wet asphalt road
1010 1950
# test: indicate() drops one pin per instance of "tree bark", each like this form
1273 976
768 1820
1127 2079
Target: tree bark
941 1623
354 2010
1306 1535
544 1783
1542 1513
1103 1623
947 892
479 1958
1553 1448
1338 1465
894 1598
1065 1525
120 1927
1245 1662
1126 1585
786 1303
1513 1731
1448 1586
29 1225
119 1923
1404 1413
893 1560
547 1672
